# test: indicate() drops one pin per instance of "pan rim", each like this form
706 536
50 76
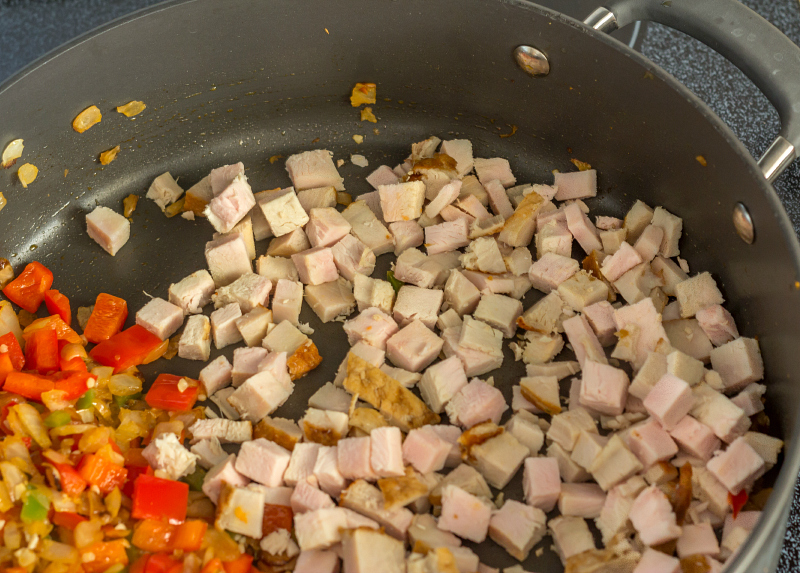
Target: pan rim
772 518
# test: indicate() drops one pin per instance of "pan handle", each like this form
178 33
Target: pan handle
759 49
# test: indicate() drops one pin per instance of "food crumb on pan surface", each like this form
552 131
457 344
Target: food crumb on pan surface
640 413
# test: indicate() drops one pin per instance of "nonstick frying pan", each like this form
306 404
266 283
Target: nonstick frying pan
245 80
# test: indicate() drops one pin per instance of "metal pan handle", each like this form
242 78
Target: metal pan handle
759 49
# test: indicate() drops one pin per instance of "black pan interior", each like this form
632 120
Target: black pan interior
246 80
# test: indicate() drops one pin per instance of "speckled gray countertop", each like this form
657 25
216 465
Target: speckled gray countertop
31 28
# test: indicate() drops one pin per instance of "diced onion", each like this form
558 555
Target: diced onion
59 552
86 119
129 204
11 153
88 533
109 155
124 385
33 423
27 174
131 108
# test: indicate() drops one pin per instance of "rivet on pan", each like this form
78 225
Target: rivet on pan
743 223
532 61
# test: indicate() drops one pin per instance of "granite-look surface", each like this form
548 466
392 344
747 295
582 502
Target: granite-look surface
31 28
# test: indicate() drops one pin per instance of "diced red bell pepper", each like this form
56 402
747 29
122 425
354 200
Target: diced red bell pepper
13 350
6 367
27 290
107 318
28 385
41 351
154 536
134 472
106 475
74 383
239 565
160 563
125 349
140 565
71 356
106 554
166 395
58 303
160 499
737 502
276 517
63 331
67 519
72 483
213 566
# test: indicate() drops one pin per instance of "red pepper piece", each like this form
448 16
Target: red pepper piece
58 303
189 535
161 499
74 383
6 367
160 563
41 351
213 566
28 385
737 502
63 331
239 565
107 318
125 349
133 473
67 519
106 554
104 474
165 394
72 483
27 290
13 349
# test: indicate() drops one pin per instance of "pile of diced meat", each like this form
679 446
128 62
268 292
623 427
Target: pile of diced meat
652 443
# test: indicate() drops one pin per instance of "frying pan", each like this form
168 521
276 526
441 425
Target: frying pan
246 80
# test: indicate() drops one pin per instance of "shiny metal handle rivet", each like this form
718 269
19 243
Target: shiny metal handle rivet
602 20
532 61
743 223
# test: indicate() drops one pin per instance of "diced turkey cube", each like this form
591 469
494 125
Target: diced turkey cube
520 226
221 474
461 151
697 539
581 290
499 312
331 299
498 459
306 496
475 362
108 228
220 177
543 315
697 293
287 301
283 211
425 450
367 228
402 201
245 229
371 292
383 175
672 227
386 454
649 242
718 412
225 210
407 234
164 190
583 340
576 185
483 254
312 169
581 500
571 536
620 262
612 240
653 518
566 427
525 428
441 382
216 375
324 426
476 402
301 464
718 324
354 458
498 198
695 438
369 501
209 453
600 316
553 237
316 198
423 529
687 336
614 464
351 256
160 317
195 341
670 273
317 561
608 223
289 244
323 528
517 527
260 395
644 317
460 293
738 362
193 292
737 467
464 514
587 447
367 551
414 303
669 401
372 326
495 168
650 443
519 261
325 227
276 268
446 196
227 259
246 363
226 431
688 369
414 347
637 219
541 392
240 510
446 237
223 325
654 561
551 270
582 229
253 326
326 470
749 399
603 388
315 266
263 461
249 291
